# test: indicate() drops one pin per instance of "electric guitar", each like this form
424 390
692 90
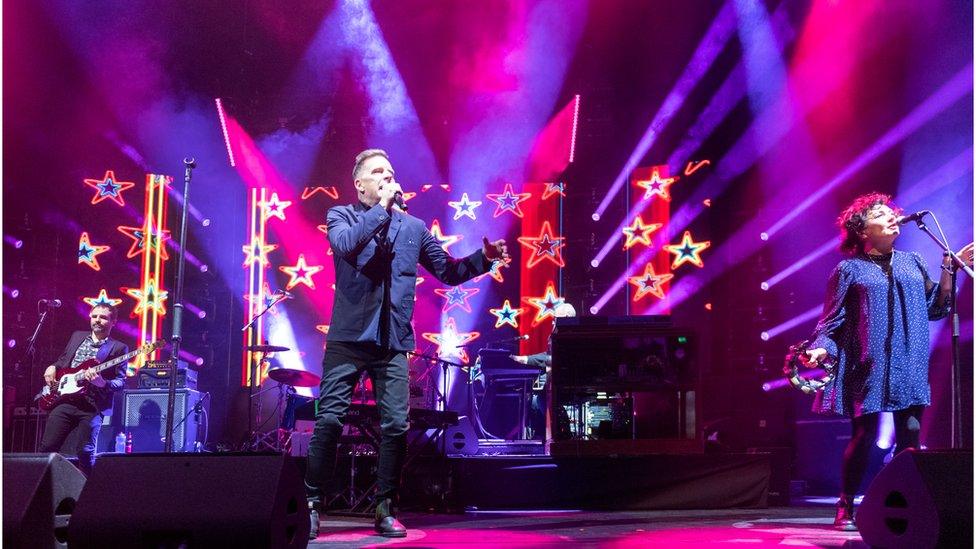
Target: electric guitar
68 381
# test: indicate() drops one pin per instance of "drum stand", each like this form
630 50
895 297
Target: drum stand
353 495
271 441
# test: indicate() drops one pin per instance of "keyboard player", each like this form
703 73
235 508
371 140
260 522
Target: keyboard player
543 361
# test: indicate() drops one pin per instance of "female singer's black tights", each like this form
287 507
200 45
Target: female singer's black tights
864 433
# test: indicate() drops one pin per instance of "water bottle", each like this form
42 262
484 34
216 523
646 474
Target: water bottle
120 443
128 443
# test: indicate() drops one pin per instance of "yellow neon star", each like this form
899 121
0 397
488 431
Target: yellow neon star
687 251
656 185
301 273
649 283
257 251
639 233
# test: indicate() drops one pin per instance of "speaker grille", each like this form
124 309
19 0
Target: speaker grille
145 418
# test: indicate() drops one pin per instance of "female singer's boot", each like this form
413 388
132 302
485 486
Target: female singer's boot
845 514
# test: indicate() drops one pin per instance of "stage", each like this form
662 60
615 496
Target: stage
803 525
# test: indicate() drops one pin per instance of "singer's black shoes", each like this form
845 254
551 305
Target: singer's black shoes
386 524
845 514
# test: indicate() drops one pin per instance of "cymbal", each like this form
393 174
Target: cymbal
294 377
267 348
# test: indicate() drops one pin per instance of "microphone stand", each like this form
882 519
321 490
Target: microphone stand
30 354
956 407
250 386
177 336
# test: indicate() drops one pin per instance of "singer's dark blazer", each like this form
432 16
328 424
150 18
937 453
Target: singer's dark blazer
364 267
100 397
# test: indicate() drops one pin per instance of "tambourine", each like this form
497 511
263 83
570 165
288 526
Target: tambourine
794 362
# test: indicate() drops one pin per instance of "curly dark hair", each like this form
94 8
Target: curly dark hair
113 311
853 220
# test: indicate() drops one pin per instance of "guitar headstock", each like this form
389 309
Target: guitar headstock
150 347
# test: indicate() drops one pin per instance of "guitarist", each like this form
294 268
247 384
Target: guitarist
84 414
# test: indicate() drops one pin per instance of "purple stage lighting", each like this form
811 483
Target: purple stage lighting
955 89
195 310
801 263
15 242
13 293
793 322
223 128
11 343
717 35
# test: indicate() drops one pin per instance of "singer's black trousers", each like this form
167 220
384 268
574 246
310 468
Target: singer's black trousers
341 368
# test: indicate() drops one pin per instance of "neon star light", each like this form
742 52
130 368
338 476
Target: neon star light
88 253
101 299
554 188
639 233
546 246
456 296
148 298
109 188
257 252
649 283
324 328
656 185
508 201
546 304
301 273
464 207
506 315
274 207
687 251
445 241
450 342
265 298
148 233
309 192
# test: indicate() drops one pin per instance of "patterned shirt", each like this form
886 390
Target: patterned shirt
87 350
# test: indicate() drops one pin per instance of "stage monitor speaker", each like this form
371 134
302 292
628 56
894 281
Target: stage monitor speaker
919 500
144 417
39 495
192 500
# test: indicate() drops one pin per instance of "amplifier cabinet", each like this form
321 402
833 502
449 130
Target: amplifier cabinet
144 418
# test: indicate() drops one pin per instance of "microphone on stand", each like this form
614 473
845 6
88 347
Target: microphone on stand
913 217
286 295
52 303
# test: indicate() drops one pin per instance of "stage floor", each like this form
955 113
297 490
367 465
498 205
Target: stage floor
804 525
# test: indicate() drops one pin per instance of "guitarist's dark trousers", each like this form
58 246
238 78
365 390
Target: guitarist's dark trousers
67 417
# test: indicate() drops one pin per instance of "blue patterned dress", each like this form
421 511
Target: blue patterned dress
876 324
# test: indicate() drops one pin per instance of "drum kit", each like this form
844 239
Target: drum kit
287 379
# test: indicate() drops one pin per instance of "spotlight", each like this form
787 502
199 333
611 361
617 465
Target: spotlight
594 310
15 293
199 361
764 336
11 343
595 263
202 314
595 216
18 244
764 236
764 286
204 268
205 222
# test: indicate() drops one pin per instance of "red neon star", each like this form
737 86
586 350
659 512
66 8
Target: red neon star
656 185
639 233
649 283
301 273
456 297
109 188
446 241
88 253
687 251
508 201
554 188
141 235
309 192
545 304
545 246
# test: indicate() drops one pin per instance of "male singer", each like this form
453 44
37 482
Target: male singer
377 247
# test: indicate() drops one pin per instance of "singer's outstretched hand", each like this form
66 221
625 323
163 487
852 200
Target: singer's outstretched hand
495 250
966 254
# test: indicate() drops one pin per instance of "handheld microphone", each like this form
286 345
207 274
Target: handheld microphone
913 217
398 200
287 295
52 303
